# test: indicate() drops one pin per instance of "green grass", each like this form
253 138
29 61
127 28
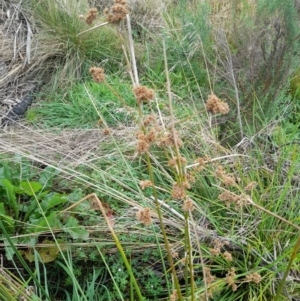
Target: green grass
84 105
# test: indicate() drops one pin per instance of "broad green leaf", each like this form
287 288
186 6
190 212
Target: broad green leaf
43 224
28 188
7 220
52 200
10 193
74 229
47 175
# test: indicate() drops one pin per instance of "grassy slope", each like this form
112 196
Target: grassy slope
259 242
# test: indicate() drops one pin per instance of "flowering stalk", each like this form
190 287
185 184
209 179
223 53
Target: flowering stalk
180 182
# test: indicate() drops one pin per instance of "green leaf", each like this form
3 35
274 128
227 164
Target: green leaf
43 224
47 175
11 197
7 220
28 188
74 229
52 200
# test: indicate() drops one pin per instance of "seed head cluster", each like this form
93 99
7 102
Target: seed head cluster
216 106
250 186
174 296
201 163
227 179
230 279
145 183
106 131
227 256
117 12
178 192
216 250
169 139
174 161
145 140
148 120
230 198
255 277
188 204
144 216
91 15
208 276
143 94
209 279
97 74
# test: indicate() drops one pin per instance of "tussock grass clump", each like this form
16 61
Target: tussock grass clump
59 27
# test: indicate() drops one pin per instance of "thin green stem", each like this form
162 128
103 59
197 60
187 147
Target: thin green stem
190 254
162 228
120 248
286 273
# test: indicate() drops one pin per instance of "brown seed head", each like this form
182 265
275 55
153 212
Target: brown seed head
117 12
144 216
227 179
149 120
143 94
201 163
188 204
230 279
106 131
208 276
97 74
174 161
91 15
174 296
256 278
227 256
250 186
168 139
145 183
178 192
142 146
216 106
151 136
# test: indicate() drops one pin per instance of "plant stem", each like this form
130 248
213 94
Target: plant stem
282 282
120 248
162 228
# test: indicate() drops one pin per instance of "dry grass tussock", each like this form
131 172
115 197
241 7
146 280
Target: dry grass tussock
62 147
16 61
24 58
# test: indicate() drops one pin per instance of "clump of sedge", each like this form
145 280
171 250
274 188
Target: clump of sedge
216 106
